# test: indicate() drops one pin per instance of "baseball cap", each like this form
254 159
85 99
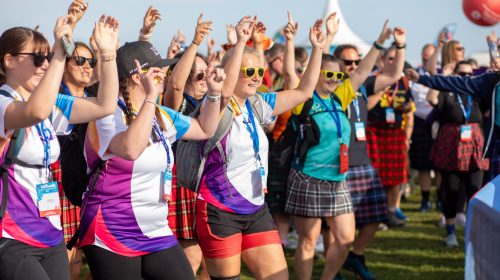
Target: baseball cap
144 52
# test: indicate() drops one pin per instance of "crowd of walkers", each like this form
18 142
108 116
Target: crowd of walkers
163 167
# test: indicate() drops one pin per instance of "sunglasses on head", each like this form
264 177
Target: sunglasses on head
250 72
348 62
80 61
332 74
38 58
464 73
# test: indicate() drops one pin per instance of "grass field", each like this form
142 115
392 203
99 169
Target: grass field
416 251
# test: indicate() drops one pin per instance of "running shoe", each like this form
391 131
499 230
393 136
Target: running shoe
400 215
357 265
451 241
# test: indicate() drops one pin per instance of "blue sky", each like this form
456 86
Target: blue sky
422 18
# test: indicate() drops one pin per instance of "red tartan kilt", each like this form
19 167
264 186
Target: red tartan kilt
388 153
181 210
451 154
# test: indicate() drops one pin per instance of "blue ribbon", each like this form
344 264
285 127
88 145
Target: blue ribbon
336 117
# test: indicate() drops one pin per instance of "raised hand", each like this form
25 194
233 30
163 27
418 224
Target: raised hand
76 10
203 28
149 80
215 80
492 38
412 75
291 28
244 28
384 34
174 48
152 15
259 33
63 28
106 34
231 34
399 36
332 24
448 69
211 44
442 38
181 38
316 36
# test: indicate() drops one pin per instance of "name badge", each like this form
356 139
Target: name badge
465 133
390 116
360 131
262 173
344 159
167 184
48 199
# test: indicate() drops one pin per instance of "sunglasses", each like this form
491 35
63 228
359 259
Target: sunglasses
80 61
464 74
38 58
200 76
348 62
250 72
460 49
332 74
300 70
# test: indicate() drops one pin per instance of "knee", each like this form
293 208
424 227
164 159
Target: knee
307 242
345 239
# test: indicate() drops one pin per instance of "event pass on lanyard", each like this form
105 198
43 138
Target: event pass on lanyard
465 129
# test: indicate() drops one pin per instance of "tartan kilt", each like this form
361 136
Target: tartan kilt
421 145
369 200
181 210
388 153
70 214
276 181
451 154
311 197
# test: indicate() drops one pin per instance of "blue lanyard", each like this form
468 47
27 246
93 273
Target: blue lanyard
191 100
469 107
355 102
45 136
67 92
253 132
336 117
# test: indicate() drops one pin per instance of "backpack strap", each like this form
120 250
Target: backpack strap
256 102
362 89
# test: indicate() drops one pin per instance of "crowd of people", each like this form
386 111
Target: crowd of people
163 167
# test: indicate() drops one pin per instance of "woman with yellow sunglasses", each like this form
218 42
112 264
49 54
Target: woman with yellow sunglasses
232 220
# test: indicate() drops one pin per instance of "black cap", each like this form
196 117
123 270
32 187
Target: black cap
144 52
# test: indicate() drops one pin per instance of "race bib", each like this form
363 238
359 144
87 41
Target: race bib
390 116
465 133
48 199
360 131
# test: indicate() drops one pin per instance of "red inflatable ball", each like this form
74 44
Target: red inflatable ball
482 12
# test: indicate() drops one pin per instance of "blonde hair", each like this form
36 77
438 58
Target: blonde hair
448 52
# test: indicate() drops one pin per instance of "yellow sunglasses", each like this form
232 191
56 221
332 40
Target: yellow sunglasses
332 74
250 72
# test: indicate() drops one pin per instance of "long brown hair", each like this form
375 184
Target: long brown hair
448 52
129 115
13 40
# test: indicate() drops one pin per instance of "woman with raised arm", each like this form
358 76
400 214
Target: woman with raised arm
123 230
33 114
232 220
186 87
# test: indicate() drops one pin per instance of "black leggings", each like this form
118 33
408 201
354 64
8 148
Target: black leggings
19 261
455 184
170 263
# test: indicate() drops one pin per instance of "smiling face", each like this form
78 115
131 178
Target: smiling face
246 87
21 70
75 74
347 57
197 87
328 85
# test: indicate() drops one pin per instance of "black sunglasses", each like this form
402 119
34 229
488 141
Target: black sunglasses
300 70
38 58
348 62
80 61
464 74
200 76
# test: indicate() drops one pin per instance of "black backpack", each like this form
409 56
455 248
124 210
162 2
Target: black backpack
72 161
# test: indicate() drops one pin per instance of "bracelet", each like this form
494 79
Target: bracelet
107 57
193 42
147 101
213 98
377 46
400 47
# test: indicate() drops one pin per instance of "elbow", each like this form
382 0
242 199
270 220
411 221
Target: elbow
38 116
131 155
210 134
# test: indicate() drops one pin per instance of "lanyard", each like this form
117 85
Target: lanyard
253 132
67 92
191 100
469 107
391 99
355 102
45 136
336 117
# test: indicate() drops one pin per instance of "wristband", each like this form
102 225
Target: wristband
193 42
148 101
400 47
213 98
107 56
377 46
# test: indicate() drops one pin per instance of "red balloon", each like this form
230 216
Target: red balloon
482 12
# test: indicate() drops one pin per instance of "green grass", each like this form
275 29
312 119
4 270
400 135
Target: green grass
416 251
